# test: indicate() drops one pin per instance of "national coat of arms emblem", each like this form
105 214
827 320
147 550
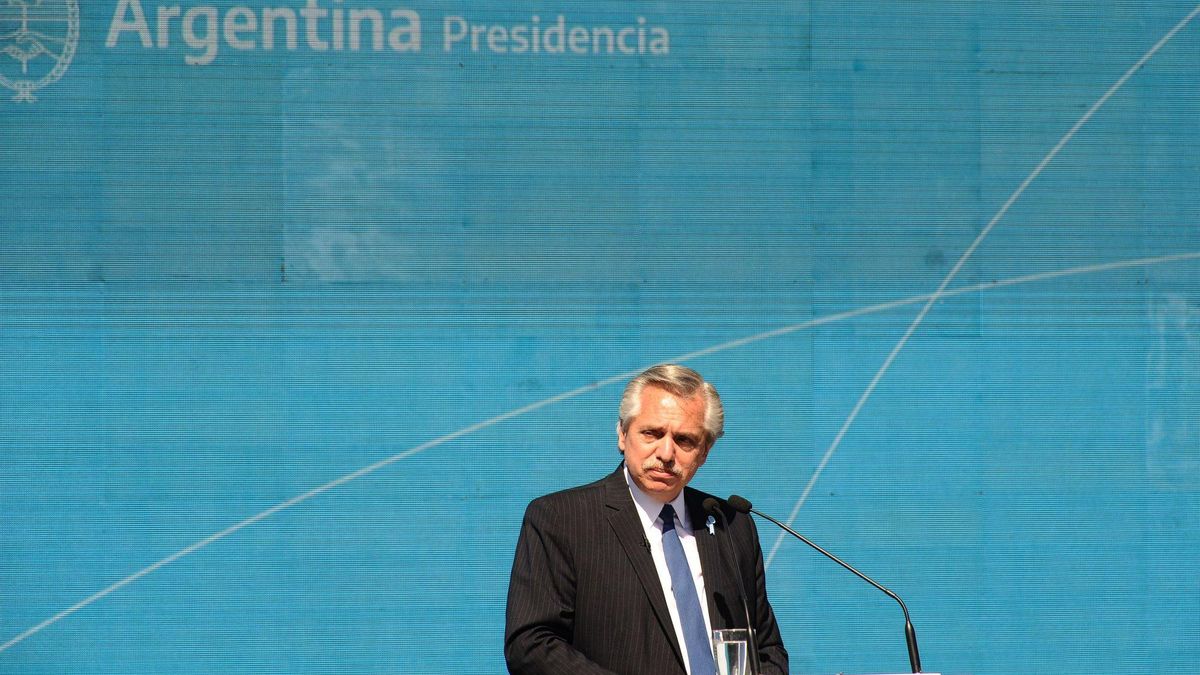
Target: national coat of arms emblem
38 38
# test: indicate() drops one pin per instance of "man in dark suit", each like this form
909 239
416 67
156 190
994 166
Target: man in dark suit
624 575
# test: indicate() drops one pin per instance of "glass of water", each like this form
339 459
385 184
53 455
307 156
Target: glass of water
731 647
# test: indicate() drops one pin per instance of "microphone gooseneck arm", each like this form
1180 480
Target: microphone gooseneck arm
910 634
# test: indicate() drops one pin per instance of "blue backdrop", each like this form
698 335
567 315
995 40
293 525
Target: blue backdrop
301 302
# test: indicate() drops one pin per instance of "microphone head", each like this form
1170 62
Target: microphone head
739 503
711 505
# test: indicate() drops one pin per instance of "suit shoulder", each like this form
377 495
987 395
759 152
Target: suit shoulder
570 499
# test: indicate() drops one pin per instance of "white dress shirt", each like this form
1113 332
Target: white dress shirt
648 510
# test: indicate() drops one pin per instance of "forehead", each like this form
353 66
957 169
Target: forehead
659 406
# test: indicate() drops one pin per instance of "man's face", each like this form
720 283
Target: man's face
665 443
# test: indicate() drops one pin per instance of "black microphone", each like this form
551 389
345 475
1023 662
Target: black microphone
742 505
713 507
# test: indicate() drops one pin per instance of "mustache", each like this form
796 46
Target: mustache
653 463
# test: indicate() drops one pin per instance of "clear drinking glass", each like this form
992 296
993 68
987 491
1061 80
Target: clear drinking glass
731 648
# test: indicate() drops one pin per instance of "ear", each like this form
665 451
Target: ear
620 438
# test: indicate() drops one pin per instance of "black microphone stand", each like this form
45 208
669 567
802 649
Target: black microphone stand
713 507
910 633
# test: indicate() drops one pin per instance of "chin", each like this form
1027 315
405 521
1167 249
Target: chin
667 490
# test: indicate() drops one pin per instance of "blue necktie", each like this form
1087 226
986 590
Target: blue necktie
695 636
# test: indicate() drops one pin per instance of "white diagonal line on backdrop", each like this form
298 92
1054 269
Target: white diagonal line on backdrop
940 292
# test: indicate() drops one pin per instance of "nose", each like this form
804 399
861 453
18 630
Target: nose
666 449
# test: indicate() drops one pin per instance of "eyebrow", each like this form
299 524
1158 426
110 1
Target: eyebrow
683 435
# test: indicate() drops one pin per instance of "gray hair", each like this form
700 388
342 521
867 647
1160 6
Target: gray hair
682 382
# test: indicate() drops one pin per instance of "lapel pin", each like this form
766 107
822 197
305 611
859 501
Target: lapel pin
712 525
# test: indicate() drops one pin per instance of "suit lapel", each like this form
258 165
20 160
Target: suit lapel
623 518
710 556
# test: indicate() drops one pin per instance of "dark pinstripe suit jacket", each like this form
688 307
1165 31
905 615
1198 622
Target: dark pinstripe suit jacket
585 596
